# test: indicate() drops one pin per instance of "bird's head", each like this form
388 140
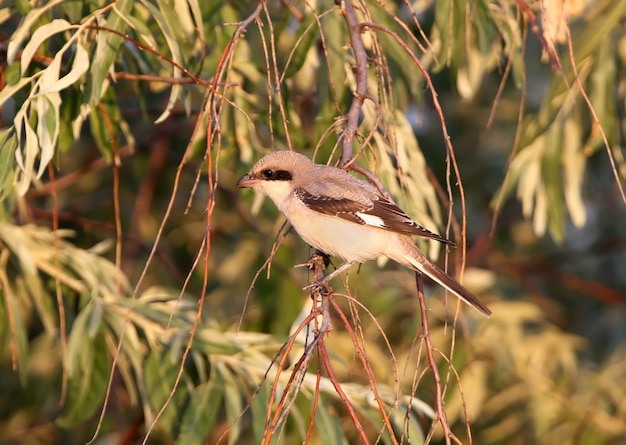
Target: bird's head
277 174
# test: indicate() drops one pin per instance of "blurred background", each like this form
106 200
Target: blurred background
130 306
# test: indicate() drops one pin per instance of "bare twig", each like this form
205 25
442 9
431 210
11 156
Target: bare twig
368 371
360 57
440 411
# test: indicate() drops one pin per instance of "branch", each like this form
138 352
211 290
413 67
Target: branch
360 56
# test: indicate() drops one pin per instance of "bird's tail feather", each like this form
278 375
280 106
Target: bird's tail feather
420 263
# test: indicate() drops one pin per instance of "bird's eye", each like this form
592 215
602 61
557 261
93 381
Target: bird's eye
268 174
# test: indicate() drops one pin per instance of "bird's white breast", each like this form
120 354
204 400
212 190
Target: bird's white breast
336 236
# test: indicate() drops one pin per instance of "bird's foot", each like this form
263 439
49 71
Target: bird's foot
323 281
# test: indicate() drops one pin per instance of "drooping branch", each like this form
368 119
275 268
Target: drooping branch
360 57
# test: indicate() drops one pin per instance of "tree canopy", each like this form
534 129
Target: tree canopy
146 299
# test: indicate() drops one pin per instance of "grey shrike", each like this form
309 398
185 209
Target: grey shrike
346 217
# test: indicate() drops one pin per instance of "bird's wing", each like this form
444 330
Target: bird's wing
371 210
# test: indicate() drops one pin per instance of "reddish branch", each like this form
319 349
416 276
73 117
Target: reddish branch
440 410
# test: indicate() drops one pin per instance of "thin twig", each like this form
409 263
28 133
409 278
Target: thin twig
360 57
440 411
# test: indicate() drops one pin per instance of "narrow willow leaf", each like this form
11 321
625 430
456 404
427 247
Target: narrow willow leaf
27 156
529 161
408 425
141 28
201 414
328 425
107 47
105 124
574 162
23 31
196 11
78 336
308 33
551 178
17 331
80 66
87 387
8 91
540 214
232 401
258 406
167 21
160 375
333 72
48 112
40 35
8 145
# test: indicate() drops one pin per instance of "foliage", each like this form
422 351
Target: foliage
126 253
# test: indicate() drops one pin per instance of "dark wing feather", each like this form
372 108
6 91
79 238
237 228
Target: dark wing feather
340 207
397 220
391 216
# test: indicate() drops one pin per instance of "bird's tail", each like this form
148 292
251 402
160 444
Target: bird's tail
417 261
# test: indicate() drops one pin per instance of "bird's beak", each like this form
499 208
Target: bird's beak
247 182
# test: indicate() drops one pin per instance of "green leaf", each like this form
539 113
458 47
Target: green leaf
17 333
308 32
410 429
328 425
107 48
551 175
48 113
169 23
8 145
73 9
40 35
24 30
30 150
574 163
336 39
87 384
104 124
53 83
233 401
201 413
258 406
160 375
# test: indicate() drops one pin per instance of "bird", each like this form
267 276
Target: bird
346 217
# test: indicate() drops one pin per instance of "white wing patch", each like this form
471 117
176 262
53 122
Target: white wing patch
371 220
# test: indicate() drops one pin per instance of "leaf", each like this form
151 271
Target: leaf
104 124
328 425
258 406
333 76
551 176
574 162
48 112
196 12
88 383
160 375
23 31
40 35
308 34
107 47
201 413
31 150
232 401
17 331
80 66
8 145
167 20
407 424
